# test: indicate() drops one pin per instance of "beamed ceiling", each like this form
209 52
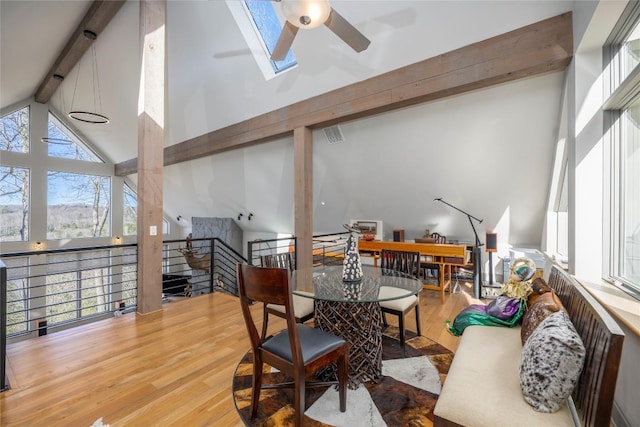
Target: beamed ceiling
399 104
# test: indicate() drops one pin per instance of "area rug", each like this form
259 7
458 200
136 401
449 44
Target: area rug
405 396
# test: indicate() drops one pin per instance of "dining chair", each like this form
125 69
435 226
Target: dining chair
408 263
299 351
302 306
431 267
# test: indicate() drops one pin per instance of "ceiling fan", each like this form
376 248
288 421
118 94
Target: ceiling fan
310 14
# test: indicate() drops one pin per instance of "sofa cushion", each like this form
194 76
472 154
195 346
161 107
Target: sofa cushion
482 388
551 363
544 306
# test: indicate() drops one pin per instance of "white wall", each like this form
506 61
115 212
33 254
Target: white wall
489 152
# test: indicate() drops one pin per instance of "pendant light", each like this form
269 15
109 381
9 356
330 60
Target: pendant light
93 117
53 140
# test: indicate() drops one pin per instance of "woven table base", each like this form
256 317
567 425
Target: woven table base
360 324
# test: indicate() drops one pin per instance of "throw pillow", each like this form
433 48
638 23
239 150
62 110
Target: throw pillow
551 363
538 287
545 305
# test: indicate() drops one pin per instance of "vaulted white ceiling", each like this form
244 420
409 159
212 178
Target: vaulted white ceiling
489 151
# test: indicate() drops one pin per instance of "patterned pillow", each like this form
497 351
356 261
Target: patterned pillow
544 306
551 363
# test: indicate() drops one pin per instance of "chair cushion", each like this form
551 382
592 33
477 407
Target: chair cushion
302 306
313 342
398 304
551 363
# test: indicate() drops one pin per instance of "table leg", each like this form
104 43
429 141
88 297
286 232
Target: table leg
360 324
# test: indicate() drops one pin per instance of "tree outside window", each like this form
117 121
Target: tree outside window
130 211
78 205
14 204
14 131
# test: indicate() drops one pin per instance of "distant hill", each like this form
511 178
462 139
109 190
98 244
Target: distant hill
63 221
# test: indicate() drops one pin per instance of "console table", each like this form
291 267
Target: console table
443 254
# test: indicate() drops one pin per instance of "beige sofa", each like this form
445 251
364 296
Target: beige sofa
482 387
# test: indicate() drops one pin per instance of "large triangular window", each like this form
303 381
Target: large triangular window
61 142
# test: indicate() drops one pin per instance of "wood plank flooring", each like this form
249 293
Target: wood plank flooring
171 367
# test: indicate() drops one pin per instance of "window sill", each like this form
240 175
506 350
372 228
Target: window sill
622 306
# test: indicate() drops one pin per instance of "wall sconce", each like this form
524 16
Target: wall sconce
239 216
183 221
117 240
39 246
250 216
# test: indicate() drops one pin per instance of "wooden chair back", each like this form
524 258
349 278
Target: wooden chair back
438 238
279 260
267 285
404 262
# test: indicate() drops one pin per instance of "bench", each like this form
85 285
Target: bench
482 387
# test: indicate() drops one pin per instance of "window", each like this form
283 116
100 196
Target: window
129 211
14 204
78 205
268 27
623 53
61 142
14 131
629 165
261 27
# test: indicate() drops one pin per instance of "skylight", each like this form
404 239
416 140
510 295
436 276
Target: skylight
260 27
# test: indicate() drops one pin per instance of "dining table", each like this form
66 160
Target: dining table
351 310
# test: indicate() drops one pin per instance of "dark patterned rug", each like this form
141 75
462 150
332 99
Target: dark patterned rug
405 396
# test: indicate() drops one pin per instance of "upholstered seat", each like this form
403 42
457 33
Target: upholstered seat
302 308
399 304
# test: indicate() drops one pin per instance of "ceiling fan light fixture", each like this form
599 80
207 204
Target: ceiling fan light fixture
306 13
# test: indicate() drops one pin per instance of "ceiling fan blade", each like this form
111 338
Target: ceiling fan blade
347 32
285 41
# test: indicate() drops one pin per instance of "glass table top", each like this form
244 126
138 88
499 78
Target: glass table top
378 284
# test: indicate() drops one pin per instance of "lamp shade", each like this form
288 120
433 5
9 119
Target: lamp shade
306 13
491 241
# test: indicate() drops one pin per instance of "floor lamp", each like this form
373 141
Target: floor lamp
491 241
477 253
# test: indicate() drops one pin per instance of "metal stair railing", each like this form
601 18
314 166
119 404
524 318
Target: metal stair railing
328 249
4 381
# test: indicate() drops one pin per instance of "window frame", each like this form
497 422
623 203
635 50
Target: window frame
255 41
623 90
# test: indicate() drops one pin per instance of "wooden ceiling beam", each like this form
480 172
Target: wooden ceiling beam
95 20
542 47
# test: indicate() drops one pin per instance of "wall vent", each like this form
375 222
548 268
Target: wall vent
333 134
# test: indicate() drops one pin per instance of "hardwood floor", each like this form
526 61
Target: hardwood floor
171 367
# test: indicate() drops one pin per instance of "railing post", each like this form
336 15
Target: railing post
4 383
295 249
250 252
212 244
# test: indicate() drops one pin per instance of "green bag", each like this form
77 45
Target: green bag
476 314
